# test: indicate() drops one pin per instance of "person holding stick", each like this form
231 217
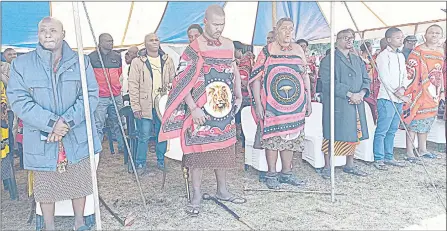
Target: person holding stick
45 91
202 105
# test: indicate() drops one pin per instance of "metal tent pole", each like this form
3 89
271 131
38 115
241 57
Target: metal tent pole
332 103
88 119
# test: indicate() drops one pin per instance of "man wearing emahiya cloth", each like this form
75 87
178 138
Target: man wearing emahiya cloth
205 96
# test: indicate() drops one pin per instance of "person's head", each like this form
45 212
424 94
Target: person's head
383 44
394 37
433 34
9 54
410 41
328 51
151 42
241 49
345 39
366 47
270 37
303 43
214 21
194 31
131 53
105 42
284 30
51 33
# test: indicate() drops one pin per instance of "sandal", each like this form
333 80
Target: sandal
326 173
289 178
394 163
82 228
413 160
271 180
233 199
380 165
354 171
430 156
192 210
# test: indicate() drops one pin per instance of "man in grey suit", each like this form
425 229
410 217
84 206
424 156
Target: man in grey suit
351 88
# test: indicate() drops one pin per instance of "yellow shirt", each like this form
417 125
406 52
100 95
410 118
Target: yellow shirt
156 75
4 132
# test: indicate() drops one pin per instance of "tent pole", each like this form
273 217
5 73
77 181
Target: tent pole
332 103
274 15
88 119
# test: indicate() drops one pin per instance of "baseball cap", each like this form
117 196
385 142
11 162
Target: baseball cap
410 38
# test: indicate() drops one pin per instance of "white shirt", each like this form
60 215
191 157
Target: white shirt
392 73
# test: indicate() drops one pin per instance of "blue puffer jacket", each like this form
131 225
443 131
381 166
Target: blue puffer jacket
33 98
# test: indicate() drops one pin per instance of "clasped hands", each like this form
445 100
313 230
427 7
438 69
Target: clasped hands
356 98
59 131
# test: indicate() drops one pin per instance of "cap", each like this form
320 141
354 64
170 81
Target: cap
410 38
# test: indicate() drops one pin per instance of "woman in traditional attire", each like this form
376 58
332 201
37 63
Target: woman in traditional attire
281 98
424 67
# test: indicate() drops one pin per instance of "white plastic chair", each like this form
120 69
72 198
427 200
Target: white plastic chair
314 139
174 147
254 157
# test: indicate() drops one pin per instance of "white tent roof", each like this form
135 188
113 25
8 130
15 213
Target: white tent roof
128 22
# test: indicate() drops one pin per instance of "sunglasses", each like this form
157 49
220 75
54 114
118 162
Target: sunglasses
347 38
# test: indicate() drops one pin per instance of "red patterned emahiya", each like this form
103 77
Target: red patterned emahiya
208 75
283 94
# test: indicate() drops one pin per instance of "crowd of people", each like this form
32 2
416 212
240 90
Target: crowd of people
216 77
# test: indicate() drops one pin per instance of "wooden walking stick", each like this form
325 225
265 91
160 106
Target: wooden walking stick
207 196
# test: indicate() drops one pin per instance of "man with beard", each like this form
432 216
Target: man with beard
112 65
351 87
151 73
201 107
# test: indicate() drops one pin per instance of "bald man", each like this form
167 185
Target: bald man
113 68
201 107
131 53
150 76
55 131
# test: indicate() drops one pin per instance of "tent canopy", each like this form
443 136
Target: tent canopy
248 22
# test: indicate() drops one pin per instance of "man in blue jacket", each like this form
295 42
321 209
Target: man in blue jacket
45 91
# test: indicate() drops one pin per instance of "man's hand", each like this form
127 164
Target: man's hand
237 105
406 99
198 116
259 111
309 109
54 138
400 92
138 114
356 98
61 128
